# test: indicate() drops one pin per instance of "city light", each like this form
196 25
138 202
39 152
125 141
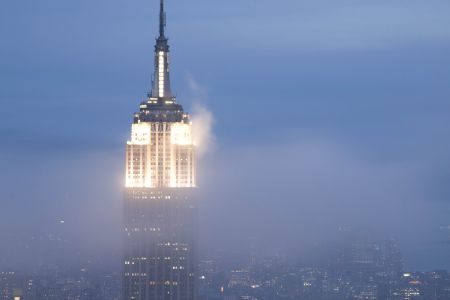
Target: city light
161 71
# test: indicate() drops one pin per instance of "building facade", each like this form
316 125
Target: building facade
159 202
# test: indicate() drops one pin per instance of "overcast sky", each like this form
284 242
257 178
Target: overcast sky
326 113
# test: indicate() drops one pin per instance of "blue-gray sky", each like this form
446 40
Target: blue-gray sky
323 108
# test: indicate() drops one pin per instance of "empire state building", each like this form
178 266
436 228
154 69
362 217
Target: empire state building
159 206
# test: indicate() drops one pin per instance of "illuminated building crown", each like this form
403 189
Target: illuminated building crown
161 150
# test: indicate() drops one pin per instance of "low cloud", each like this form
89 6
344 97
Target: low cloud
294 195
202 119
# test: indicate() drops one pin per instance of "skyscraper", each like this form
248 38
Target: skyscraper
159 205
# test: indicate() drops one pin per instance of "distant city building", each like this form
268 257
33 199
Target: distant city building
17 294
160 210
239 277
265 279
7 283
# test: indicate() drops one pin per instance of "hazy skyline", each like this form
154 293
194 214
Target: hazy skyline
327 111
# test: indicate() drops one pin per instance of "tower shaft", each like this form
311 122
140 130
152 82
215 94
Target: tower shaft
159 200
161 80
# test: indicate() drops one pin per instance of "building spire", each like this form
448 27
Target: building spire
161 81
162 20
